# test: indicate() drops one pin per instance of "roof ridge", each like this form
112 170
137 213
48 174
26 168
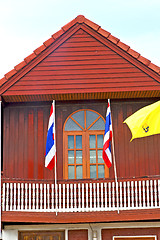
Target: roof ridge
80 19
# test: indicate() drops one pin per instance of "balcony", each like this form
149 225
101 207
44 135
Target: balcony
81 196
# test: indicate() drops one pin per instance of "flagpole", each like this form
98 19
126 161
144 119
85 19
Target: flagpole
55 169
114 162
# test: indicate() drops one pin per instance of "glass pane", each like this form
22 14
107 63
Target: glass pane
79 142
99 125
92 156
72 126
70 157
101 171
90 117
92 141
100 159
78 157
79 172
71 172
70 142
100 141
79 117
93 171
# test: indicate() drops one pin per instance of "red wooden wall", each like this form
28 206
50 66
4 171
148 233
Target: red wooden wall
83 63
107 234
78 234
25 130
24 137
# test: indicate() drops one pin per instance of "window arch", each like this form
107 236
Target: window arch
83 143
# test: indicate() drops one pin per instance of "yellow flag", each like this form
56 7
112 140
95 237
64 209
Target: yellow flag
145 122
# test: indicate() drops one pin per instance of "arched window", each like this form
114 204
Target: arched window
83 143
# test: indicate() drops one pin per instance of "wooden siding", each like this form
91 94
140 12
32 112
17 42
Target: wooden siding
25 130
78 234
83 64
108 234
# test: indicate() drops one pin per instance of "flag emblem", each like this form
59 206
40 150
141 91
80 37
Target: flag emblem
145 127
107 157
50 143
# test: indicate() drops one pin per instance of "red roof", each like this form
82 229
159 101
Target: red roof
135 65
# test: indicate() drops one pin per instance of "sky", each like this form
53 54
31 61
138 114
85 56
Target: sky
25 25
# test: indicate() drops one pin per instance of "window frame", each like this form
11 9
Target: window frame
85 150
152 237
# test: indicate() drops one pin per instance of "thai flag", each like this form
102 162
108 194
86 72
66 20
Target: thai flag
50 144
107 157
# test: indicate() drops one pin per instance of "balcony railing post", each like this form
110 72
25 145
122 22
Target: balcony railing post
113 195
82 197
90 196
98 196
18 196
102 197
37 196
147 193
151 193
144 194
94 195
79 197
86 196
48 197
120 194
159 192
11 196
71 189
155 193
34 192
106 195
109 189
60 198
4 197
124 194
52 196
7 197
75 196
64 202
15 195
136 196
140 198
68 197
22 196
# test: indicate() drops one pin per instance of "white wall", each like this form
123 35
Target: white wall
10 234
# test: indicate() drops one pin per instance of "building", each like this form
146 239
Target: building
80 66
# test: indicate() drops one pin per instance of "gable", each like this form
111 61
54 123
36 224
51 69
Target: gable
84 64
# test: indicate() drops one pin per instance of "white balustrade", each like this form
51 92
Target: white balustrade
81 197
